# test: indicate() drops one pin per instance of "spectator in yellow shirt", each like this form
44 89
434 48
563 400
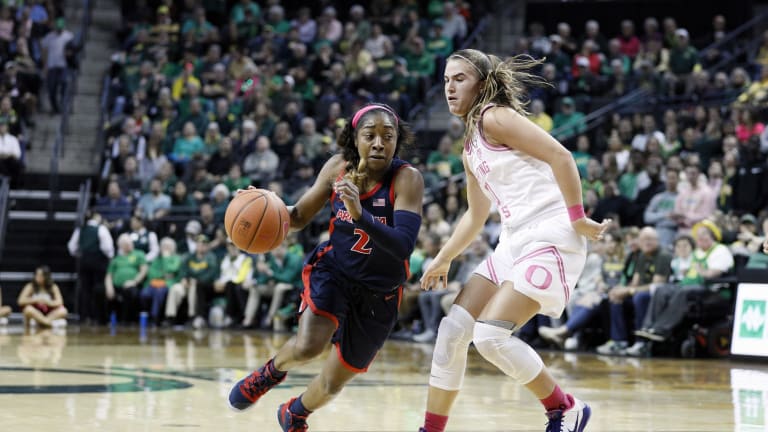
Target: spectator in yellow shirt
539 116
180 84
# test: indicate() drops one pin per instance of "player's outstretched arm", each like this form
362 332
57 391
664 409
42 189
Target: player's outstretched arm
467 229
316 196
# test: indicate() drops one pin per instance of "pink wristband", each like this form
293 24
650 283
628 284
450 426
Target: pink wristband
576 212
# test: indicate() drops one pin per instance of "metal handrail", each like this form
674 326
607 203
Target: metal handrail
597 117
5 187
100 135
83 202
735 33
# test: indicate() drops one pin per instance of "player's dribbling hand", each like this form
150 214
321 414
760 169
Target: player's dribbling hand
765 246
436 274
349 194
591 229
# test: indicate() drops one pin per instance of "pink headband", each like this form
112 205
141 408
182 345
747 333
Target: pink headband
361 112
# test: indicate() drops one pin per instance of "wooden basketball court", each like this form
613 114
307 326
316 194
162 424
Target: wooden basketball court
91 379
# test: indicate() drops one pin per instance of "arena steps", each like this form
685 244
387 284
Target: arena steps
36 237
79 154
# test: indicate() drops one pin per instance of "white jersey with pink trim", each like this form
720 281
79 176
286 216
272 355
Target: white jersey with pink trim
522 187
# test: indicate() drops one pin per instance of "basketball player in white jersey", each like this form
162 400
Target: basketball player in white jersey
534 183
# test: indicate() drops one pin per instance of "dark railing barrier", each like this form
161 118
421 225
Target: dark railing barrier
596 118
83 201
5 188
105 163
732 39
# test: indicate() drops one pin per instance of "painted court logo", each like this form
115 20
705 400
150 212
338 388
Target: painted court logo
753 319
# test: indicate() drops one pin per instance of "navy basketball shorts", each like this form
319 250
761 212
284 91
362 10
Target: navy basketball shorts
363 318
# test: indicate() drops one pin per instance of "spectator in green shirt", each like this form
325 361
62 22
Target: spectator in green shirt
437 43
187 145
235 180
244 20
442 162
163 273
277 273
199 30
683 57
683 60
276 19
125 273
582 155
568 122
421 62
198 272
241 8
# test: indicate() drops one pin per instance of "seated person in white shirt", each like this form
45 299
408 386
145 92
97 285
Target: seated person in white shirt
10 152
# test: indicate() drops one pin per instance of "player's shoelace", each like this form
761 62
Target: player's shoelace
555 423
295 423
256 385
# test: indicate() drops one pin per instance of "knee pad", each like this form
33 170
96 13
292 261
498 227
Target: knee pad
507 352
449 358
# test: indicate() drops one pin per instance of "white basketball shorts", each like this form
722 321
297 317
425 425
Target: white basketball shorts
543 260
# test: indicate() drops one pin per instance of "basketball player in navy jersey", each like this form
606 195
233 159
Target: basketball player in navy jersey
352 282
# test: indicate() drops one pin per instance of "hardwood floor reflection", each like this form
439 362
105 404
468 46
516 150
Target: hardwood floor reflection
89 379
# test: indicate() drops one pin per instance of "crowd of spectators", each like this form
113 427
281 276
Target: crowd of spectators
36 49
687 165
204 102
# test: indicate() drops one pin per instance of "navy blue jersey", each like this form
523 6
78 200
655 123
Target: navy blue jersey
354 252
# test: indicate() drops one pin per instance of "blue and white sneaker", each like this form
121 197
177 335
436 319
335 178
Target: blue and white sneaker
572 420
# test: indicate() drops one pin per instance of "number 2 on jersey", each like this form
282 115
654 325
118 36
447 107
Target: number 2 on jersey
361 245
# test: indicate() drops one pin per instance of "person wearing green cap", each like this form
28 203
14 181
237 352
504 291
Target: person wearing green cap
54 46
569 121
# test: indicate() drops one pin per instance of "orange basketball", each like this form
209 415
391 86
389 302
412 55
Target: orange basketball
256 220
